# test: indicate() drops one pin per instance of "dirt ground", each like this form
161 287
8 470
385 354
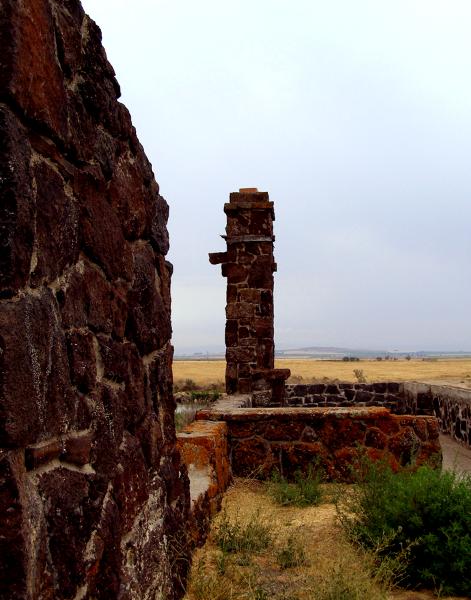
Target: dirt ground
330 558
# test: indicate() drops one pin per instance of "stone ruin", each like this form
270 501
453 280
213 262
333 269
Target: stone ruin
92 489
98 496
248 264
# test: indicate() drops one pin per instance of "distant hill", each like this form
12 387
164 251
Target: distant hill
323 352
334 352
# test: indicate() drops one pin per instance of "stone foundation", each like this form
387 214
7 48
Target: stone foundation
263 440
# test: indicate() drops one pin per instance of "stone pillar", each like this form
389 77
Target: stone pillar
249 265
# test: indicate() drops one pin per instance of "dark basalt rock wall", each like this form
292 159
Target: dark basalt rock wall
92 491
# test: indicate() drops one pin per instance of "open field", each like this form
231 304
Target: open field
455 371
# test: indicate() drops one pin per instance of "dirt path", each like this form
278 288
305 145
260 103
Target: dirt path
455 456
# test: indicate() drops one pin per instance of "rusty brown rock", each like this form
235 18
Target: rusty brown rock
28 40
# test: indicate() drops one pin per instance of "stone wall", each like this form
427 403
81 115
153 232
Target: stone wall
249 264
388 394
451 405
263 440
92 490
203 448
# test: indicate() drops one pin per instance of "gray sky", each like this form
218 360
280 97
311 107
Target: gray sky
354 116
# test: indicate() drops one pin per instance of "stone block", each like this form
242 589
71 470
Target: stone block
234 272
123 365
30 336
158 212
76 449
131 482
13 545
17 207
100 229
56 212
127 193
82 359
148 324
29 60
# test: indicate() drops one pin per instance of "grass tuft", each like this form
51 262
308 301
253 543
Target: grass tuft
291 554
305 490
235 536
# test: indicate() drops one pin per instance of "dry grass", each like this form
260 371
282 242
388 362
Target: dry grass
331 568
456 371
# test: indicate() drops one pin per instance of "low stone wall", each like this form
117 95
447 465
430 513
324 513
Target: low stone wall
287 439
204 450
451 405
386 394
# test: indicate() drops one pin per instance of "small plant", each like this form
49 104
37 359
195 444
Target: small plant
424 514
291 555
245 538
205 585
345 583
303 491
205 396
360 376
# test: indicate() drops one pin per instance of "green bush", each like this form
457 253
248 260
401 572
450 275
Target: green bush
303 491
424 516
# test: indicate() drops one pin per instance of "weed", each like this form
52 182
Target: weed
345 583
205 585
291 555
424 514
245 538
205 396
222 563
360 375
303 491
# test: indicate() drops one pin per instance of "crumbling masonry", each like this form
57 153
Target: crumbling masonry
249 265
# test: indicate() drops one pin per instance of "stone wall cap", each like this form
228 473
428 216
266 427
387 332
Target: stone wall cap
234 206
250 197
239 239
260 414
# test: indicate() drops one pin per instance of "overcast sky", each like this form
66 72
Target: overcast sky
354 115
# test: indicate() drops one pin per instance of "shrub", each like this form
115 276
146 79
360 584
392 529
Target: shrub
303 491
425 514
246 538
291 555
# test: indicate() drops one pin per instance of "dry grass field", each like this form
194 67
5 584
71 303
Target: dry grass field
455 371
